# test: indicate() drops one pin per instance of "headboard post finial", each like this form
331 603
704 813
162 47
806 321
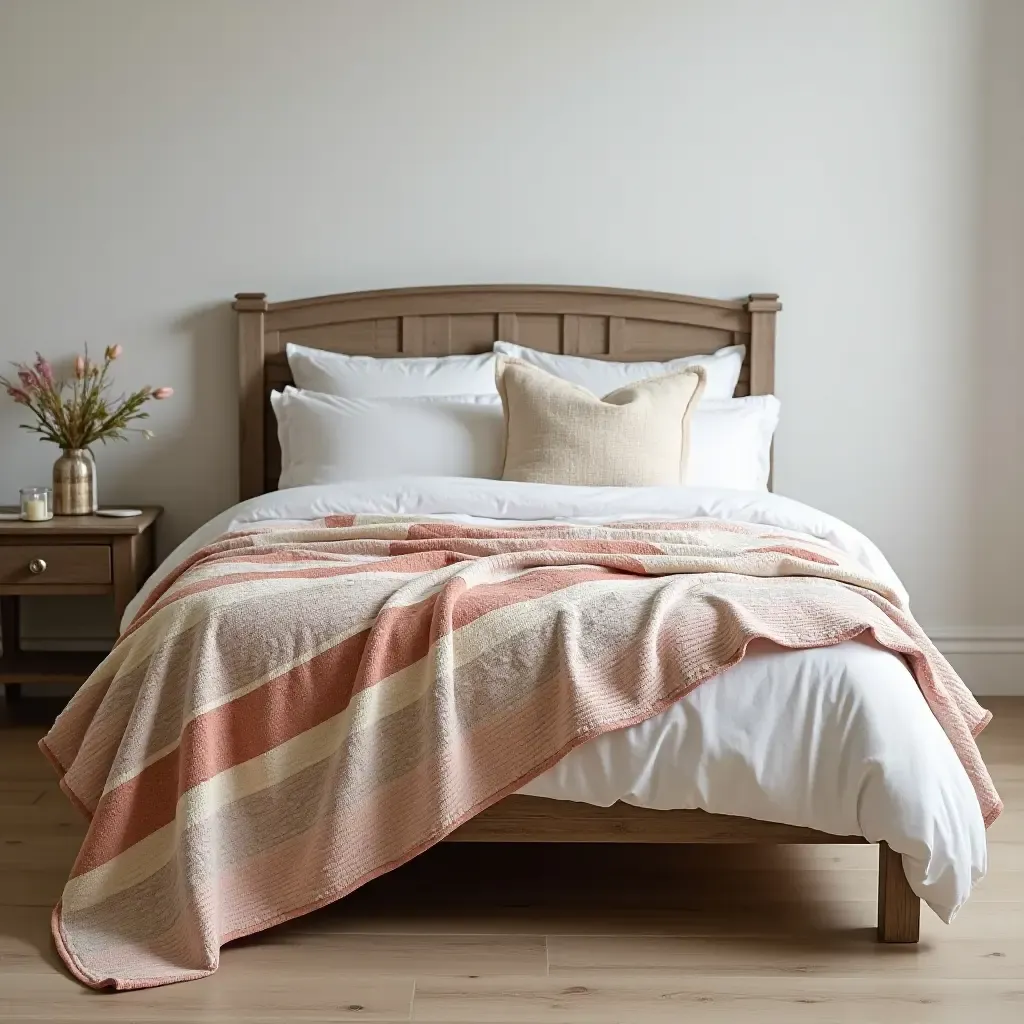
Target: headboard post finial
250 302
763 302
251 308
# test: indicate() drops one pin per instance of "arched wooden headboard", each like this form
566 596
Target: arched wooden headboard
598 322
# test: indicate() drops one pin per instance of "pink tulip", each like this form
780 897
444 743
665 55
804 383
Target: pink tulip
44 369
163 393
18 395
113 351
79 367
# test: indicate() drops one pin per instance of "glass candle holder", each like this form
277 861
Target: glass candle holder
36 504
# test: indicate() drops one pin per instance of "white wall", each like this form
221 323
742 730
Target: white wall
861 157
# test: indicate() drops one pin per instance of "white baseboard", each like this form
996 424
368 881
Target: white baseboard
990 659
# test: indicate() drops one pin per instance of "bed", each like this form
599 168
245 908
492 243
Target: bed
613 323
336 673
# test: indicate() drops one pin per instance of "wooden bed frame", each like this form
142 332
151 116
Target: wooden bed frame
597 322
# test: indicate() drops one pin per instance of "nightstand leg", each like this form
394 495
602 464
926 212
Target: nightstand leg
10 644
124 551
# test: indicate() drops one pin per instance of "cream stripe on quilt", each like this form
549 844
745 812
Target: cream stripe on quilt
393 694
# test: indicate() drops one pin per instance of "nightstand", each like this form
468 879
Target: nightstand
68 556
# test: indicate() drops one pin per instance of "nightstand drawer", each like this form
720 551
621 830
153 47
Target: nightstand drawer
33 565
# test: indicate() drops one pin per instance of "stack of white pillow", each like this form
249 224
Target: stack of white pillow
357 417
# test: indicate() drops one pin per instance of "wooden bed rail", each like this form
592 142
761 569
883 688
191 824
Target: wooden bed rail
530 819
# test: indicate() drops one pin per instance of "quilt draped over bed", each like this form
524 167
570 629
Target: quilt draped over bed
294 712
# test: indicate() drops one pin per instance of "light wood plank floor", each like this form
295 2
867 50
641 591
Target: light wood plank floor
554 934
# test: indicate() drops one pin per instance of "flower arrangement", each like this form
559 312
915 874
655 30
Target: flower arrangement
75 415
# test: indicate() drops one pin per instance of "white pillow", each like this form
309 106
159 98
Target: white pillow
601 376
327 439
731 441
332 373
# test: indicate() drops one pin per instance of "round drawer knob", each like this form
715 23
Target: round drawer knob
36 566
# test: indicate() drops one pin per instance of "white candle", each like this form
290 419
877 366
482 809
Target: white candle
35 510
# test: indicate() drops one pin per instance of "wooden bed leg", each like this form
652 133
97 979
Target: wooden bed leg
899 909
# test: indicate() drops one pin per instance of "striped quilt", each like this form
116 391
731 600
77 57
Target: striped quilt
294 712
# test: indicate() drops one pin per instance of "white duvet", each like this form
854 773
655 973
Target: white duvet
835 738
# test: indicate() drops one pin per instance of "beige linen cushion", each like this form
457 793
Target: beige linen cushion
561 433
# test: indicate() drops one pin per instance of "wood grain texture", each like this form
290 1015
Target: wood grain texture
508 327
524 933
252 402
72 556
899 910
530 819
24 567
614 998
597 322
724 955
124 556
763 309
76 529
